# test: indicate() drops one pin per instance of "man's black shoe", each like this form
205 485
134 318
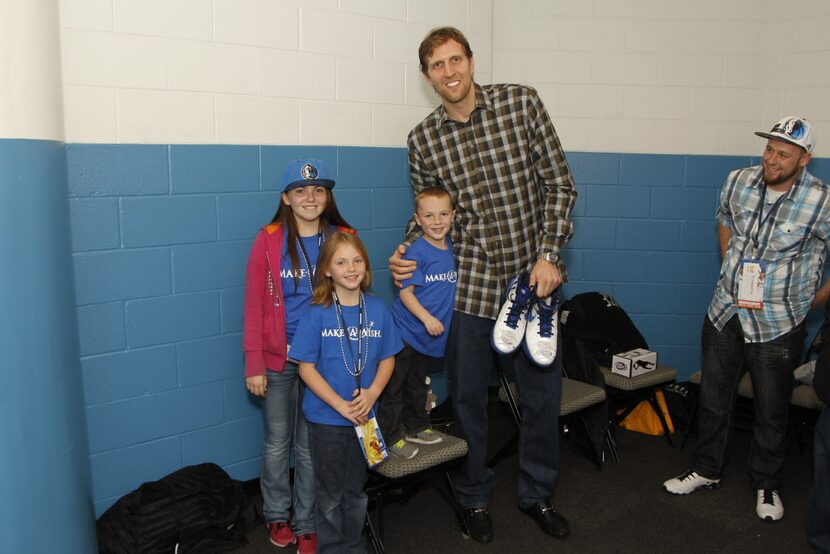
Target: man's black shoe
477 525
552 522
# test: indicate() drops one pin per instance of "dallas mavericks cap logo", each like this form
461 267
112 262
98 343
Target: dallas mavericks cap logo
309 172
305 172
793 130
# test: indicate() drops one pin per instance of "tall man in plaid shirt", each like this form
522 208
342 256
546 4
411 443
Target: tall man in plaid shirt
773 231
494 149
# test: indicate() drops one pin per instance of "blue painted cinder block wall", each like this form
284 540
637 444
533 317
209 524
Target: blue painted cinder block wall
161 234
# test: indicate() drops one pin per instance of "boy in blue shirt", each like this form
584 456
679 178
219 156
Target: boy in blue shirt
422 315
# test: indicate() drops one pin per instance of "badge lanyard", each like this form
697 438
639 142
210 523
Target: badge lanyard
307 260
761 219
753 270
358 363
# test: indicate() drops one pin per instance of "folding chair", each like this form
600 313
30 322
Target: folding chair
396 476
628 392
576 396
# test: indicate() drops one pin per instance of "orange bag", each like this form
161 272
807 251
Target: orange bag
642 419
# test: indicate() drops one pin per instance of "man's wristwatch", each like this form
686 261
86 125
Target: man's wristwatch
551 257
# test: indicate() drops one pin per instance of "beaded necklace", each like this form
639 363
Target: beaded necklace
307 260
359 363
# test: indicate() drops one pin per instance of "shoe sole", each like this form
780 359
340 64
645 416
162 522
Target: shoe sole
710 486
466 534
422 441
770 519
286 545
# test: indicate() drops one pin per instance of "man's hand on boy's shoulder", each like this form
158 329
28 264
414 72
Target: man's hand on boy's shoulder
400 268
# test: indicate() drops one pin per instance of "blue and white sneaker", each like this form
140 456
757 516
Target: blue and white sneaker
542 329
509 329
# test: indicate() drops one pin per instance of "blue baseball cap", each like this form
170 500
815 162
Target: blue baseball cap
306 172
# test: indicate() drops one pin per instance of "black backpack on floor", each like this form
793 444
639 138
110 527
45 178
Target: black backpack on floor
197 509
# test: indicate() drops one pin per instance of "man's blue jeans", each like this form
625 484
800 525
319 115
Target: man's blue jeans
770 364
471 362
340 471
286 428
818 513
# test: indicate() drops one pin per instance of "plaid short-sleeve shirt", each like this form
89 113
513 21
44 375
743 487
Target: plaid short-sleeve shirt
791 238
509 181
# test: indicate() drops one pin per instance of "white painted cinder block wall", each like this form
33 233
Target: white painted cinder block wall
668 76
659 76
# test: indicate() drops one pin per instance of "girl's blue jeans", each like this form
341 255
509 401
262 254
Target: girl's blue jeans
286 430
341 474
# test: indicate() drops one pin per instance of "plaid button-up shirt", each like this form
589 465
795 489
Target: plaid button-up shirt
510 184
792 240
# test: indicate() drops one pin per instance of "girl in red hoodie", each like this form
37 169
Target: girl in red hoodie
278 284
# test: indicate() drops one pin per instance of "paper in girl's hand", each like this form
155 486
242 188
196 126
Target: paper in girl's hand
371 441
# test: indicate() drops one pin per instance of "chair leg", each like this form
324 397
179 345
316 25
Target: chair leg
599 455
511 400
611 442
372 535
655 405
456 507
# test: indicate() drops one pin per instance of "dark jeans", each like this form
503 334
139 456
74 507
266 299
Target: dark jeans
471 363
770 364
403 405
818 513
339 477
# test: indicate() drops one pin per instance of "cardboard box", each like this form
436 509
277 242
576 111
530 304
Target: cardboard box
634 362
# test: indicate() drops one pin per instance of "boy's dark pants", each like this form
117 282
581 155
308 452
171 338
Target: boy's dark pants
403 404
339 477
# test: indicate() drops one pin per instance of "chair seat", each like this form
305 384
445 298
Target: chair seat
806 397
663 374
576 395
803 395
429 455
744 385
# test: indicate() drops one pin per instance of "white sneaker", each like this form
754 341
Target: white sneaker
542 329
689 482
509 329
769 506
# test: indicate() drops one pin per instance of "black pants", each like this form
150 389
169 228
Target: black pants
770 364
472 362
404 400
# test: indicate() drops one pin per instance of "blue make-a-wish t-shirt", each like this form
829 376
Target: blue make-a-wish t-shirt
297 294
319 340
434 287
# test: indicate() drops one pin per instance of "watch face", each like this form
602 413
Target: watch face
550 257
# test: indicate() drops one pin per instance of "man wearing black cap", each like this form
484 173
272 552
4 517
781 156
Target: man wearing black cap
773 231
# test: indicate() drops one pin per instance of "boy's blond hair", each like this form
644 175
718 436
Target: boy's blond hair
432 192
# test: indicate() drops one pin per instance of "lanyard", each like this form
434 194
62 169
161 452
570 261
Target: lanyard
358 363
307 260
761 219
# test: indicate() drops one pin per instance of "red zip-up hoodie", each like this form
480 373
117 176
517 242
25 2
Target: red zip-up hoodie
263 335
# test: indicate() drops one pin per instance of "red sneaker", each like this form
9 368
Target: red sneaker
307 543
281 534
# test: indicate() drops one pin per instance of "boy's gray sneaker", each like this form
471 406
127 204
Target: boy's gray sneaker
690 482
403 449
427 436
